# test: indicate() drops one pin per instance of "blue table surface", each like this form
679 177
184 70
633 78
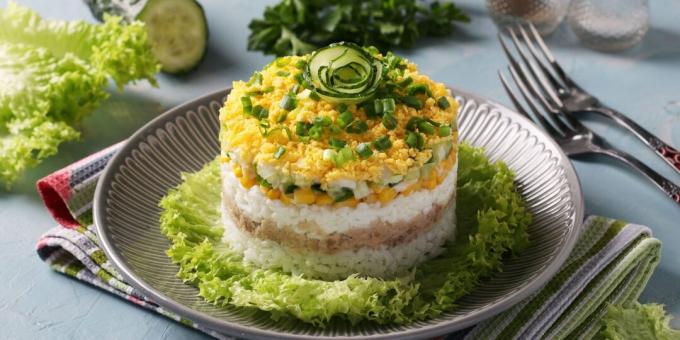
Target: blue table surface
643 82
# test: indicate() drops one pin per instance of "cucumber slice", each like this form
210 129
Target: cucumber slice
343 73
178 33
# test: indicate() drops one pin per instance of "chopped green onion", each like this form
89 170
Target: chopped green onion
314 96
405 82
426 127
282 117
315 132
443 103
301 64
364 150
382 143
279 152
295 88
368 109
335 130
343 195
247 105
433 122
344 119
287 131
341 108
392 60
288 102
388 105
343 156
444 131
419 89
336 143
389 121
317 187
415 140
268 89
263 182
412 123
283 73
260 112
323 121
412 101
289 188
282 61
256 79
378 107
264 127
254 93
357 126
302 128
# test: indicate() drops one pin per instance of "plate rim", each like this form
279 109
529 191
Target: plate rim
223 326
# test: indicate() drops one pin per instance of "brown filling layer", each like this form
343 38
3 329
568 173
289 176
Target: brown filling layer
374 236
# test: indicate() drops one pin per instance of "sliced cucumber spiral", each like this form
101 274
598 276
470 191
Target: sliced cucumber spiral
344 72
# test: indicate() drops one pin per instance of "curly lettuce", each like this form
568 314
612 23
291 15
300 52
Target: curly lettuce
492 223
56 72
637 321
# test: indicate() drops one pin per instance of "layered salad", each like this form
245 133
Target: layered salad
341 194
339 162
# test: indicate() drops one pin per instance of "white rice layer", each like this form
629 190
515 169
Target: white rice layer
384 262
257 207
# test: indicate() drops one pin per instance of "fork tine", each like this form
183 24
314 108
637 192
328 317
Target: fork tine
551 59
514 99
538 116
550 90
539 61
524 82
530 90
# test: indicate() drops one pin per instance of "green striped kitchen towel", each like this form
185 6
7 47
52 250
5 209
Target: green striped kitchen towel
611 264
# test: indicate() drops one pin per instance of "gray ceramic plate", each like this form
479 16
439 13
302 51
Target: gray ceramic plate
185 138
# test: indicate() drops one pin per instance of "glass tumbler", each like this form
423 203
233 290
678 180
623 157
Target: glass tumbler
546 15
609 25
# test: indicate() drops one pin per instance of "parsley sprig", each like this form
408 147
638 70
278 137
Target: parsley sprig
296 27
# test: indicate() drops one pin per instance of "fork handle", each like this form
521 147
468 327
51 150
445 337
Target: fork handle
664 150
671 189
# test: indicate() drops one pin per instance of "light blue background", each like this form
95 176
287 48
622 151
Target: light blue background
644 83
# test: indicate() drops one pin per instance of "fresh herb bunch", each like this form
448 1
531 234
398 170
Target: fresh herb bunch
296 27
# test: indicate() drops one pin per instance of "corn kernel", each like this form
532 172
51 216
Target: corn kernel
273 194
324 199
350 202
238 172
304 196
247 182
441 177
411 189
431 183
387 195
372 198
285 199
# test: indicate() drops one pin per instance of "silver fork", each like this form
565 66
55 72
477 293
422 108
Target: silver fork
549 111
575 98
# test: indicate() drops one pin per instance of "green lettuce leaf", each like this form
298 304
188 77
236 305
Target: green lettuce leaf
56 72
639 321
492 223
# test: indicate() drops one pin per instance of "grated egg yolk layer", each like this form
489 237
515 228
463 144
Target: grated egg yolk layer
249 141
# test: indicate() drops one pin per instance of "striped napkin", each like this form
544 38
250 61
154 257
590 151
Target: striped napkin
610 264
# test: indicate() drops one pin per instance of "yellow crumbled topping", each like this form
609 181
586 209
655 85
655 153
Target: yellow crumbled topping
249 141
